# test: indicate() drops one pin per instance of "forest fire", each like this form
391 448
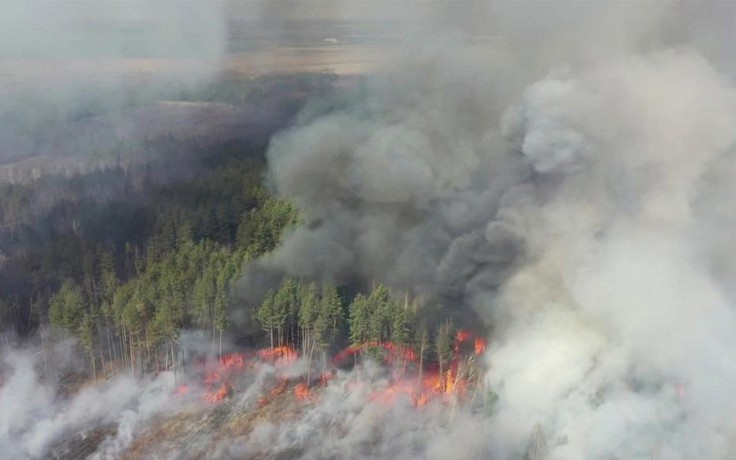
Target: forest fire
217 380
280 388
219 376
301 391
421 390
278 356
410 375
480 345
430 383
182 389
394 352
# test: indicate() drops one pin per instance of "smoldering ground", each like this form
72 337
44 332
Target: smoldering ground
39 419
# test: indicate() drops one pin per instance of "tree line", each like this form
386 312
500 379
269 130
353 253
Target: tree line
177 283
127 295
316 319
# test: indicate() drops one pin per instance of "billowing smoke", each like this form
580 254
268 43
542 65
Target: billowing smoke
347 422
584 214
44 414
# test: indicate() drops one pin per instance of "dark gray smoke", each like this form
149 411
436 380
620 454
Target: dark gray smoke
573 192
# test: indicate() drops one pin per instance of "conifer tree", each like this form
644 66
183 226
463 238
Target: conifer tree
359 320
380 308
329 318
444 347
67 307
308 311
267 317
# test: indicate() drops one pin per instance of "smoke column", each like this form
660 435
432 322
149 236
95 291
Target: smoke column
574 193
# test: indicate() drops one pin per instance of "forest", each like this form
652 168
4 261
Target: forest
124 258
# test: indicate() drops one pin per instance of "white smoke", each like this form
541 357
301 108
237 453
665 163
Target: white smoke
581 217
37 418
614 336
346 419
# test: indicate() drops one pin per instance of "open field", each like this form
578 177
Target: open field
248 50
36 73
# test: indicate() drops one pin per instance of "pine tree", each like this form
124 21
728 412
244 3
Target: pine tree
308 311
380 305
286 308
266 316
67 307
329 318
444 348
421 345
87 339
308 314
401 324
359 320
220 306
108 278
203 293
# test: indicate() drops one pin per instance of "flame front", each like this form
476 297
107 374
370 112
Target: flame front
421 384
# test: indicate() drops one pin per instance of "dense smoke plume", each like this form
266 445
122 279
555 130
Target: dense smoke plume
581 213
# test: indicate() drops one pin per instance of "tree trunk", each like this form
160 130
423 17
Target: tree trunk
102 361
94 367
421 368
309 362
132 355
43 348
213 337
173 357
123 345
442 376
110 348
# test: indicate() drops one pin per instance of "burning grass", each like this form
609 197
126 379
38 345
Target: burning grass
408 374
242 392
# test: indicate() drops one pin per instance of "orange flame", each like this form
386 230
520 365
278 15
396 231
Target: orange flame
463 335
421 400
217 380
480 345
325 378
302 391
275 391
421 391
233 361
182 390
404 353
279 356
219 395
